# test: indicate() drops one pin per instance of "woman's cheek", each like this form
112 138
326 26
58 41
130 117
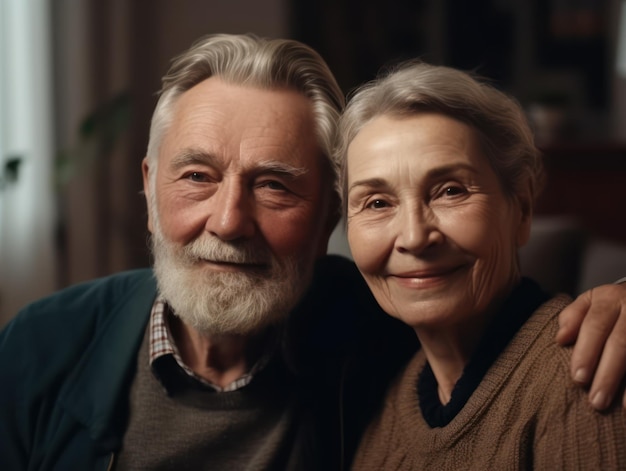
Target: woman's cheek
366 245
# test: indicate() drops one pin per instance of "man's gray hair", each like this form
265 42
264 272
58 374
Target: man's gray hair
416 87
257 62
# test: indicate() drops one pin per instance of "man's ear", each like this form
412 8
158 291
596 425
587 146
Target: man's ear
332 218
145 171
525 203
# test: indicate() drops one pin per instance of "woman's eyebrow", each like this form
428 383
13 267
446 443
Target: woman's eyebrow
381 183
368 183
450 169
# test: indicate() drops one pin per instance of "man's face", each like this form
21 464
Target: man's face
239 206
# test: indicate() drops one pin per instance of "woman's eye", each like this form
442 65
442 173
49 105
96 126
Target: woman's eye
454 190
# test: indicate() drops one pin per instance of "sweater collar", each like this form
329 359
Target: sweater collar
518 307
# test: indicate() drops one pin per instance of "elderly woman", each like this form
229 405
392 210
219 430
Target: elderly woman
440 175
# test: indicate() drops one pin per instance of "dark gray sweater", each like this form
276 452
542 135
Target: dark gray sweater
196 428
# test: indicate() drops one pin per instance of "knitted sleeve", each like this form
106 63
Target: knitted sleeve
570 434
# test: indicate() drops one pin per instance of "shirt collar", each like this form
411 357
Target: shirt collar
162 345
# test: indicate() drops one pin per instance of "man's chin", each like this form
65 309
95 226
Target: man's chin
211 328
226 299
211 322
227 303
212 268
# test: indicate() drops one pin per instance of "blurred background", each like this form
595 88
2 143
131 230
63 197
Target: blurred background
78 83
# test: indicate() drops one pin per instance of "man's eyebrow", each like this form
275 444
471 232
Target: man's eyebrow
282 168
190 157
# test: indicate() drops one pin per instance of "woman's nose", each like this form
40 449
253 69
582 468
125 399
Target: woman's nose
417 230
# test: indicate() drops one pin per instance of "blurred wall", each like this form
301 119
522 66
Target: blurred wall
108 58
108 53
105 49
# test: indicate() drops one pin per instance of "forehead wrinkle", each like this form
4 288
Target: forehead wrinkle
276 138
284 152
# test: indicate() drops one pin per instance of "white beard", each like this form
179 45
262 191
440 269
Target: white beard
220 303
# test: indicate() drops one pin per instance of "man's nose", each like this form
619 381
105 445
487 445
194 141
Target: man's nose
231 212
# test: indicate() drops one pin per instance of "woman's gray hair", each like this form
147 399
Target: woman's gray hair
416 87
257 62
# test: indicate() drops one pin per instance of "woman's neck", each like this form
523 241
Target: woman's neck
449 349
447 353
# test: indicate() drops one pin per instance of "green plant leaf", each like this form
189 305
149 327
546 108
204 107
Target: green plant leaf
10 170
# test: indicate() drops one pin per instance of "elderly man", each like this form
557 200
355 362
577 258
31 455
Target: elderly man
233 351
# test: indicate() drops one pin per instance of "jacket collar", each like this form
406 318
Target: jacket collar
95 395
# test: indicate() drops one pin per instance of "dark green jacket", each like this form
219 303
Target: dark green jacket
65 368
67 363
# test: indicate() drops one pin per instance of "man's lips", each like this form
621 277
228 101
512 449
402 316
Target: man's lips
226 265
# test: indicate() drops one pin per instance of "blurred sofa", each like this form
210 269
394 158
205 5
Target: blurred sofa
564 257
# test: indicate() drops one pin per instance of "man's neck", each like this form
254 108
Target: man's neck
220 359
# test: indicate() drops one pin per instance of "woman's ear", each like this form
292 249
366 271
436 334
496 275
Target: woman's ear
525 203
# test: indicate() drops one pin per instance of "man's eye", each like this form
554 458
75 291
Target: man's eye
197 177
273 185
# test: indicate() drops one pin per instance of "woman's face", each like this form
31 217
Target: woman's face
428 223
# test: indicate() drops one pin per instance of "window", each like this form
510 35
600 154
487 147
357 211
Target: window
27 205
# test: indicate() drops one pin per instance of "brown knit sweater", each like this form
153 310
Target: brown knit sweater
525 414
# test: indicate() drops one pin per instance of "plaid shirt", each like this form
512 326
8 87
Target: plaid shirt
162 344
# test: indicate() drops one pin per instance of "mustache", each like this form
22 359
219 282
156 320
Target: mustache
214 250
